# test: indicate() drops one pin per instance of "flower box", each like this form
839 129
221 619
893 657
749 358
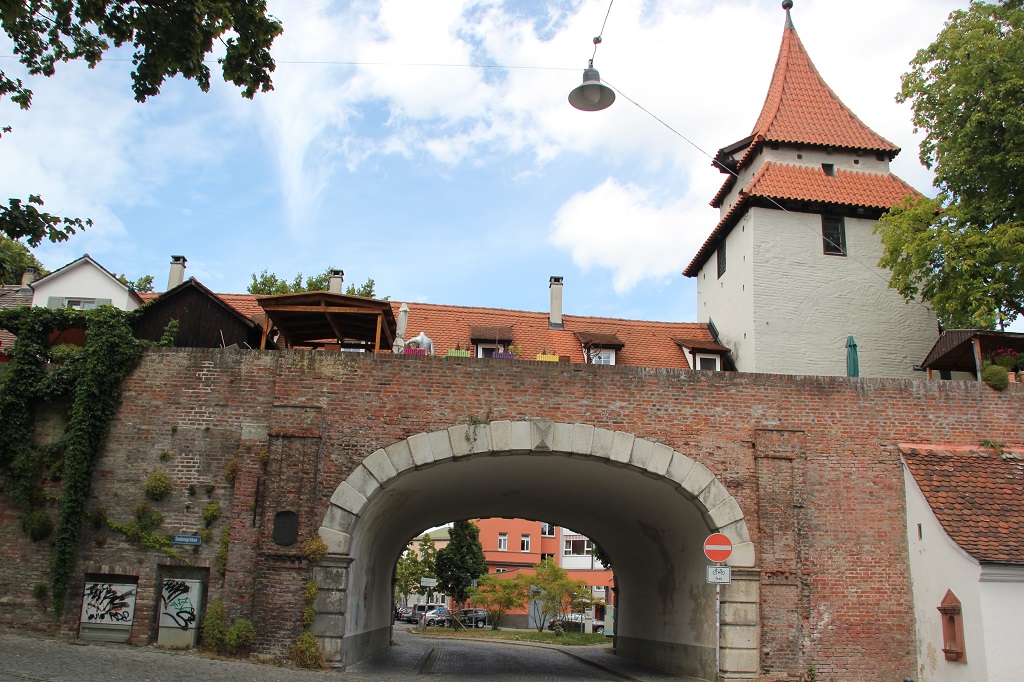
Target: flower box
408 350
459 354
504 356
547 357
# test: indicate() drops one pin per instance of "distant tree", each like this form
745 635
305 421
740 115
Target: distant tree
559 594
500 596
408 572
15 257
600 556
963 252
169 39
461 562
269 284
143 285
428 561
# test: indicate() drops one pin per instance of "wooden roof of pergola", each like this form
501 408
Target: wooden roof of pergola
313 318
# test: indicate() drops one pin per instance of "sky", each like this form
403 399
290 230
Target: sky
430 146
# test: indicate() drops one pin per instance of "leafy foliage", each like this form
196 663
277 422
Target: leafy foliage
169 39
222 551
408 572
305 653
15 258
269 284
143 285
215 626
37 524
560 595
963 252
211 512
500 596
461 561
239 637
309 595
314 548
996 376
110 353
157 486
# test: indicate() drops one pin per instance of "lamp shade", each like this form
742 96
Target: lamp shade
592 95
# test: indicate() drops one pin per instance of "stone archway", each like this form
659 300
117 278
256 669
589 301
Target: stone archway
353 619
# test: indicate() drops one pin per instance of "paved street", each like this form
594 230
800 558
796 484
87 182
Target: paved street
37 659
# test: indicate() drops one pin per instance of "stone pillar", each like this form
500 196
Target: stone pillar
331 574
740 621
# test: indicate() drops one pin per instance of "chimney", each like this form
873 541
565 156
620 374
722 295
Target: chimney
337 278
30 275
177 275
555 318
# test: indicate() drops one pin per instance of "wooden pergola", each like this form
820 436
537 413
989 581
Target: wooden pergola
323 319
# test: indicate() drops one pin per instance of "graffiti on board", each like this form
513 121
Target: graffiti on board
109 603
178 604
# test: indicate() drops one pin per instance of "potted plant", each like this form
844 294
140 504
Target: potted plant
410 350
1008 359
547 356
458 352
503 356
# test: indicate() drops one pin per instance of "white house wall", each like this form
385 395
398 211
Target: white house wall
729 301
1002 608
937 564
83 281
807 303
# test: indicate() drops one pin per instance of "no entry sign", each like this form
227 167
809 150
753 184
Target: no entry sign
718 547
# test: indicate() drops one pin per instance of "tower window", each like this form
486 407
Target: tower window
721 259
829 168
833 236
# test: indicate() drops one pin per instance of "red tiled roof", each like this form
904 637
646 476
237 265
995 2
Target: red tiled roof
243 303
783 181
802 109
977 495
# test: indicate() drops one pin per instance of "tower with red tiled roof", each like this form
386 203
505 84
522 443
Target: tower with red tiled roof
790 271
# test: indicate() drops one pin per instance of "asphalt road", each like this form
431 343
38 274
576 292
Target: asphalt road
37 659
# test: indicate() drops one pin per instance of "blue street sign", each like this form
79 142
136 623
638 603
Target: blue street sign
187 540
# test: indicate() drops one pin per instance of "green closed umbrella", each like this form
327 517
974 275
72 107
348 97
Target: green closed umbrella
852 362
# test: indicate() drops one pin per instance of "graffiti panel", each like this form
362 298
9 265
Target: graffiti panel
109 603
179 603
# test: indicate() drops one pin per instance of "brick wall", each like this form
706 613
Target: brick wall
811 460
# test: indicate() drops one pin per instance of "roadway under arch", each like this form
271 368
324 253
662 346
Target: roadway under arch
648 506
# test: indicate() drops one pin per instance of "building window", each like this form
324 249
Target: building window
524 543
952 628
547 530
829 168
487 350
602 356
707 362
501 570
577 547
946 374
833 235
502 542
545 557
721 259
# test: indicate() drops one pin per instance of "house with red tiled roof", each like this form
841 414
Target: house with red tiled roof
965 531
790 270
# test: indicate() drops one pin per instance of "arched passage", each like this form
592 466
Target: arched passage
650 508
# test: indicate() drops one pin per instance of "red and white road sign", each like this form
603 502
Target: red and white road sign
718 547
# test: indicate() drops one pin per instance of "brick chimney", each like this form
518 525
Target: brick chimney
177 275
30 275
555 317
337 279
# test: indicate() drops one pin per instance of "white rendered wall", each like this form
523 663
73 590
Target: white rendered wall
729 300
83 280
1002 608
807 303
938 564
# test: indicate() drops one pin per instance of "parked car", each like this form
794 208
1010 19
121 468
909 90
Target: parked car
440 616
471 618
574 622
402 613
419 610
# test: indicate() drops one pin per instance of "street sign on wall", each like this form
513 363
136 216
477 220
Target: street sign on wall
718 547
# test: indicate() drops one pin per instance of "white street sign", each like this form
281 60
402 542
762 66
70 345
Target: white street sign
428 582
720 575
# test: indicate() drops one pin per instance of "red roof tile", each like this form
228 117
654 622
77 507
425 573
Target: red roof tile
802 109
977 495
789 182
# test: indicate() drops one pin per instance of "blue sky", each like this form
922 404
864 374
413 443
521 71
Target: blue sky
383 153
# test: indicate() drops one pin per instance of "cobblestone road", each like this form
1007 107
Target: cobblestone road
36 659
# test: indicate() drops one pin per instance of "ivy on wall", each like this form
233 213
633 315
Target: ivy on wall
91 380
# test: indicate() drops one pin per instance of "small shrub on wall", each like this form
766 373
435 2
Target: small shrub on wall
157 486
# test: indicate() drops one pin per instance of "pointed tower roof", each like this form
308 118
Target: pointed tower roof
802 109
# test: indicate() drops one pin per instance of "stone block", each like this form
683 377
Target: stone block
255 431
440 445
337 542
738 660
741 591
661 456
739 637
582 439
740 614
460 440
713 495
743 555
380 466
332 648
700 477
328 624
338 519
602 445
363 481
419 446
622 447
348 498
641 454
400 456
561 438
329 577
521 437
724 514
679 468
737 532
501 436
541 434
331 601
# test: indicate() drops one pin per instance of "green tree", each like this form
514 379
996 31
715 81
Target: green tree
408 572
15 257
143 285
460 562
269 284
169 38
963 252
428 561
601 557
559 594
499 596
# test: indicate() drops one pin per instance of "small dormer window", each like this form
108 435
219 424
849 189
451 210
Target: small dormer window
707 362
487 350
603 356
829 168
